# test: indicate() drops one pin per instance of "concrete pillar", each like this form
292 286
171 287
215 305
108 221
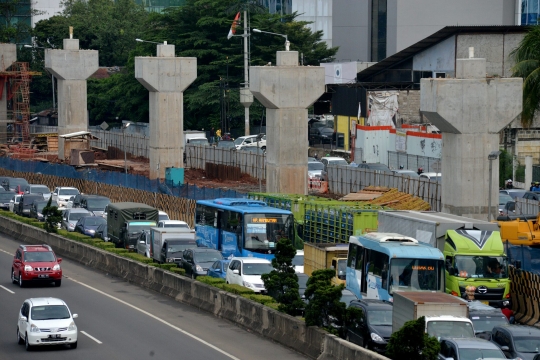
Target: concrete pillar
71 66
8 55
470 111
528 171
166 77
286 90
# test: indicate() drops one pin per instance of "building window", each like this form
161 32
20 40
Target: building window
378 30
530 12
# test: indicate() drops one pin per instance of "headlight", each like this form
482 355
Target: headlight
34 328
72 326
376 337
247 284
71 226
56 267
27 268
170 259
198 268
91 231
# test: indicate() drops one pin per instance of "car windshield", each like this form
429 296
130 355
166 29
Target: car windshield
338 162
298 260
474 354
504 198
41 205
39 256
315 166
64 192
6 195
487 323
17 181
77 215
257 268
517 194
180 245
50 312
94 221
97 204
185 226
39 190
450 329
140 226
380 317
207 256
239 141
527 344
416 275
481 266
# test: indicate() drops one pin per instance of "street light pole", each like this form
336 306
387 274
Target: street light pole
492 156
287 43
124 127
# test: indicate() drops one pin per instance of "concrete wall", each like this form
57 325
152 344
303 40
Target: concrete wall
438 58
410 21
351 29
424 144
409 107
528 144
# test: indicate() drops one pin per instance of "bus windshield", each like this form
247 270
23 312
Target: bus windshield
481 267
416 275
263 231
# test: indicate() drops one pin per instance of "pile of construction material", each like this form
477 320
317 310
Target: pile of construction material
391 197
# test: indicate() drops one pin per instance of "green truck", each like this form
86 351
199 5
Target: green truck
126 221
473 251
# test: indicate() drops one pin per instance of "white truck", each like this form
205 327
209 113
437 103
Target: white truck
446 315
195 137
168 244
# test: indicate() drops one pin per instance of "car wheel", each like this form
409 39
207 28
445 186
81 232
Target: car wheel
73 346
21 281
366 343
263 148
26 344
13 279
58 283
20 341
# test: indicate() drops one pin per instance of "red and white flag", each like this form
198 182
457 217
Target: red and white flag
233 26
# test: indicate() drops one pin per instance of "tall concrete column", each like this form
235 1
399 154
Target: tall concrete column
528 171
166 77
71 66
286 90
8 55
470 111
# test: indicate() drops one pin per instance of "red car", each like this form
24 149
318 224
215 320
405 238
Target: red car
36 263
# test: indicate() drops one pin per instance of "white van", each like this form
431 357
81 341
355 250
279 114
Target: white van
249 141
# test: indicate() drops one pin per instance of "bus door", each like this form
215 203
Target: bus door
230 233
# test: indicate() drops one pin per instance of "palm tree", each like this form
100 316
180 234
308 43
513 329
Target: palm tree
527 58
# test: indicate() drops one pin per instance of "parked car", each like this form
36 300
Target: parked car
322 135
172 224
88 225
74 201
407 173
96 204
72 216
431 176
377 167
5 199
226 144
14 182
469 348
249 141
517 341
485 318
36 263
514 193
101 232
4 183
247 271
373 328
197 261
14 202
162 215
219 269
36 209
509 209
503 199
25 203
532 195
331 160
38 189
315 169
62 195
298 262
143 244
51 316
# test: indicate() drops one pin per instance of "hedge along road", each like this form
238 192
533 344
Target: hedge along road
118 320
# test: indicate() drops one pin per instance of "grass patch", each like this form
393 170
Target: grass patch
118 251
105 245
211 280
138 257
178 270
262 299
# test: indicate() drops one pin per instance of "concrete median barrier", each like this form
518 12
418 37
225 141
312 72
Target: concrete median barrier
284 329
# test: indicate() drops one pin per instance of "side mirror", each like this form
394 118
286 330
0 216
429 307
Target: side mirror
505 348
236 272
59 260
23 318
75 316
17 261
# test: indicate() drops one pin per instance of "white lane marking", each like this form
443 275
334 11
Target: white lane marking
5 288
7 252
91 337
156 318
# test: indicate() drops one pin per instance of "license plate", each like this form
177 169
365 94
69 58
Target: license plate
43 276
485 302
57 336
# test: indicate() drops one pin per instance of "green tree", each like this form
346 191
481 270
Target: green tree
15 21
527 58
282 282
505 167
52 216
411 342
324 307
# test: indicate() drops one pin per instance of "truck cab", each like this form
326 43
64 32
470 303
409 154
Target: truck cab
132 229
476 259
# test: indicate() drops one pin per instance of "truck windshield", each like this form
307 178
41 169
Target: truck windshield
416 275
481 266
452 329
263 231
180 245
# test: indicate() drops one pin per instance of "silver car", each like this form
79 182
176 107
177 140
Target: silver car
143 243
315 169
71 216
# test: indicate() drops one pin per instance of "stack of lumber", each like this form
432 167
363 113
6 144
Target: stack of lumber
388 197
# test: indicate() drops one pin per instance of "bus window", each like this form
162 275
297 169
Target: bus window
351 259
263 231
416 274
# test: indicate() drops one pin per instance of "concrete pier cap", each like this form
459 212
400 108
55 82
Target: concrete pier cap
470 111
71 66
287 90
166 77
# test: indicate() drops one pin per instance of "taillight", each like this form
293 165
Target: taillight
454 293
507 296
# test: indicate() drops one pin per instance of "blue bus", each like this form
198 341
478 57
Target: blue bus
242 227
380 263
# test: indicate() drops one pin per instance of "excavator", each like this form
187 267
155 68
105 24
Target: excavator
520 229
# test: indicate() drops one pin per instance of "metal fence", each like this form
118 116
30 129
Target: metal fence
527 206
343 180
413 162
138 182
251 163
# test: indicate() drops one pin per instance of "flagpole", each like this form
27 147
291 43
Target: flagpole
246 73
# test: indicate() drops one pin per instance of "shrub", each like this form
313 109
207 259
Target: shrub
412 342
211 280
105 245
274 306
138 257
118 251
53 217
166 266
178 270
236 289
263 299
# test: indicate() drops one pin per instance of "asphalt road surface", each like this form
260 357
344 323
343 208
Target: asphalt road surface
118 320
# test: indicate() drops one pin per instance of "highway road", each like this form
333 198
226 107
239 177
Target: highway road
118 320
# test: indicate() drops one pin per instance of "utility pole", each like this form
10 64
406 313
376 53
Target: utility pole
246 97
